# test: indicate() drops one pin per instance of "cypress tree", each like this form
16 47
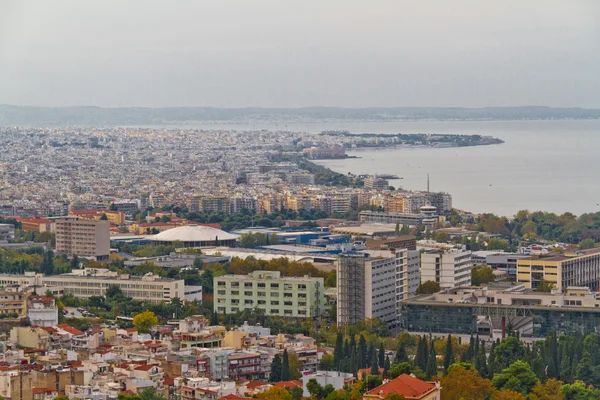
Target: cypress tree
338 351
468 354
418 361
362 352
285 367
381 354
275 369
492 362
371 353
425 353
481 360
431 367
476 348
449 355
374 366
401 355
386 366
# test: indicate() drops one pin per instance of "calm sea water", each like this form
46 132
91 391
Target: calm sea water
543 165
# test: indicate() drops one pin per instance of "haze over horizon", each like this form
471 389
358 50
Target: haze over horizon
269 53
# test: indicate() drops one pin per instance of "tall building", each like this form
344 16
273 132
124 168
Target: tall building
267 290
580 268
449 268
373 285
7 232
83 238
375 183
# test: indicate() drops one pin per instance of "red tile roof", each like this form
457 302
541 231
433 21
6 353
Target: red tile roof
70 329
256 384
289 384
405 385
233 397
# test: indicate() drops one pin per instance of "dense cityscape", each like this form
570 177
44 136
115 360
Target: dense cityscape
299 200
191 264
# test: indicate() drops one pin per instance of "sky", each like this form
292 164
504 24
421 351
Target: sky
288 53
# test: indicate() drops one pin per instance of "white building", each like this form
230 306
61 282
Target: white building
373 284
334 378
42 311
450 268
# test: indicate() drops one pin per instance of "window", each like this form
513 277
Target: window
235 292
302 295
248 284
274 285
274 311
262 302
262 294
247 293
248 301
287 286
287 312
287 303
235 284
221 292
221 284
261 285
274 303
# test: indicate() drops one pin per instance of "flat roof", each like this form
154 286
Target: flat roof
366 229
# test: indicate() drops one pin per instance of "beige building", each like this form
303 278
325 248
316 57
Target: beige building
94 282
30 337
83 238
15 384
13 302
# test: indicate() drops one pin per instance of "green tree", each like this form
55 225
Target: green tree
544 286
481 274
285 366
508 351
587 244
431 369
144 321
103 217
276 367
381 355
315 389
326 363
398 369
449 355
150 394
518 377
428 287
296 392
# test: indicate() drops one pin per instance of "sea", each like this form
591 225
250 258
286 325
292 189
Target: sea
544 165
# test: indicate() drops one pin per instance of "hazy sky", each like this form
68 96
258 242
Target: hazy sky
287 53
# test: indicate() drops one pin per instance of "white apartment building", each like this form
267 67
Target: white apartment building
83 238
373 284
94 282
42 311
450 268
296 297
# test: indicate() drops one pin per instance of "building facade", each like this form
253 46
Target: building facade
293 297
581 268
83 238
449 268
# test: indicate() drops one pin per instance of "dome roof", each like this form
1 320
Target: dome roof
192 233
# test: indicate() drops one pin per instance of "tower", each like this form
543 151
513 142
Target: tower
427 182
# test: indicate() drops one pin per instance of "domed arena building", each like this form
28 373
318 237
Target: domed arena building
194 236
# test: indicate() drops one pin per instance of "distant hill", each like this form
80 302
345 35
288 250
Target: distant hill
97 116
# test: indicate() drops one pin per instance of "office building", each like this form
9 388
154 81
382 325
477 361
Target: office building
94 282
300 178
449 268
375 183
7 233
489 311
408 242
13 302
373 284
293 297
83 238
570 268
381 217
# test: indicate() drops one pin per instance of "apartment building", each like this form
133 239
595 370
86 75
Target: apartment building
292 297
375 183
300 178
114 217
7 232
373 285
449 268
42 311
37 224
94 282
83 238
16 384
578 268
13 302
